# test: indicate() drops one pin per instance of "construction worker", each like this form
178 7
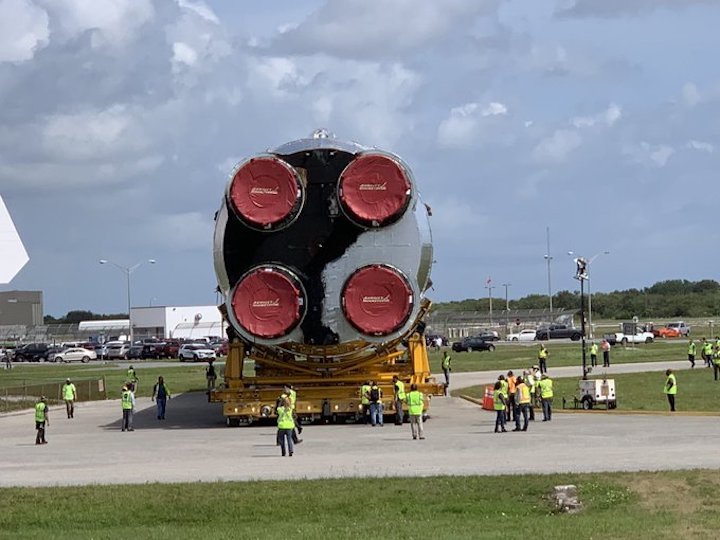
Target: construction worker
211 377
716 362
285 424
542 358
522 398
446 369
365 401
546 396
605 346
500 404
593 354
510 397
69 394
531 377
376 405
128 404
416 404
692 349
398 398
290 393
132 379
707 352
160 395
41 420
670 388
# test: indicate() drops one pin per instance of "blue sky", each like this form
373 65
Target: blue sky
121 120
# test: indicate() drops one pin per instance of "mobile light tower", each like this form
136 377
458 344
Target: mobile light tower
581 275
128 270
589 262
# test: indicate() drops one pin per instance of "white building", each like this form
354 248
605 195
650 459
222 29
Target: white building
177 322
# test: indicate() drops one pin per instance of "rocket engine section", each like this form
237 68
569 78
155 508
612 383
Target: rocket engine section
322 247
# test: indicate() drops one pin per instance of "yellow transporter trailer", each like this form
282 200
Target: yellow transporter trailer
327 390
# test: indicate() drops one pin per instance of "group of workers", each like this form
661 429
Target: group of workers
516 396
709 352
372 408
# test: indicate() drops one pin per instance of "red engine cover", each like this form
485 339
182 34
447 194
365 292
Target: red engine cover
265 192
268 302
377 300
374 190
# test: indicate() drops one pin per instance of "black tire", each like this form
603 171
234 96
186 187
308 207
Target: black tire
624 341
575 337
514 339
85 359
587 403
491 348
648 340
469 349
195 358
58 359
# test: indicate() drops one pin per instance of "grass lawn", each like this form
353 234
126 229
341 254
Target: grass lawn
636 505
697 391
513 356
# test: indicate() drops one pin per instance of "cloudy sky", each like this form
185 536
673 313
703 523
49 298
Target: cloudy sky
121 119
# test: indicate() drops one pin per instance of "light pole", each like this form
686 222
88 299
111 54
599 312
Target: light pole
549 259
507 304
581 275
127 270
490 287
588 262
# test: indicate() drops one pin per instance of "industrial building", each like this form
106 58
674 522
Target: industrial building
21 308
177 322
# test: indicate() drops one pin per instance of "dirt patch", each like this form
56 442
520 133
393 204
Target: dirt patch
660 492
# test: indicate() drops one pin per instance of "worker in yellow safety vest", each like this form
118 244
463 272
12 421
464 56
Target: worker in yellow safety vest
593 354
128 405
398 399
499 404
285 424
692 349
706 352
522 398
69 394
446 369
416 404
546 396
41 420
670 388
542 358
365 402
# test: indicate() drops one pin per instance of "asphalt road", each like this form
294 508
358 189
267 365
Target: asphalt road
193 444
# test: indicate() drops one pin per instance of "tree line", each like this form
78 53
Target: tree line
675 298
78 315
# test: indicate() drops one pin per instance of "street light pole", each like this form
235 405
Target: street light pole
127 270
549 259
490 288
582 275
507 303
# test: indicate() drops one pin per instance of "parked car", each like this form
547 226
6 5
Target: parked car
117 350
220 347
101 351
524 335
673 329
489 335
196 352
32 352
558 331
624 339
168 348
75 354
470 344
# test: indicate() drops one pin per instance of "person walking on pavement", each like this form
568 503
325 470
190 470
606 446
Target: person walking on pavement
376 406
542 358
522 398
416 404
716 362
546 396
670 388
706 351
593 354
69 393
446 369
286 426
605 346
41 420
160 395
128 405
290 393
692 349
365 402
500 404
398 399
211 377
132 379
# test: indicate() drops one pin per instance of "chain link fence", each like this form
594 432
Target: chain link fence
24 393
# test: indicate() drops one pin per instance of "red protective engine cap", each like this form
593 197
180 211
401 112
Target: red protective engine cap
268 302
266 192
374 190
377 300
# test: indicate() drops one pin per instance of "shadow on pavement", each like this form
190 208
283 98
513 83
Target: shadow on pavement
185 411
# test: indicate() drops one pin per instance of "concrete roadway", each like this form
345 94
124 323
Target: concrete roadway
193 444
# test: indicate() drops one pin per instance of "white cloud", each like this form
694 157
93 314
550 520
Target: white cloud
183 54
187 231
464 124
650 155
23 30
608 117
701 146
557 147
201 9
615 8
112 22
